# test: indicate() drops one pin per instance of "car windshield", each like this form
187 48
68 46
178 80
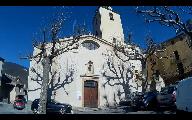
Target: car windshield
54 101
168 90
164 90
148 94
19 100
51 101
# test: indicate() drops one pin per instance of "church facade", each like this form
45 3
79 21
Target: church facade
92 75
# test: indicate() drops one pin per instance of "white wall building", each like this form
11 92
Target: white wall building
83 67
1 64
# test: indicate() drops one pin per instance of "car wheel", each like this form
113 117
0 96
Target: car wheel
62 111
72 112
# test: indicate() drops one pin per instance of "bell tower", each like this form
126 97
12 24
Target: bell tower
107 25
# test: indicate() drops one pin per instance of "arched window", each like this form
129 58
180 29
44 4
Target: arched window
91 45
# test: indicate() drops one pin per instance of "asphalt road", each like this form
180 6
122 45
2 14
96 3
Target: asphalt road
8 109
118 110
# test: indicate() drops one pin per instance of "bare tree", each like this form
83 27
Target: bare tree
123 54
55 81
168 16
80 29
151 48
129 38
119 72
47 51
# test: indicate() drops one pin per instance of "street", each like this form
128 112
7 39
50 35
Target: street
118 110
8 109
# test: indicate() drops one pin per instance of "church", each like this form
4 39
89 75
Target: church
92 75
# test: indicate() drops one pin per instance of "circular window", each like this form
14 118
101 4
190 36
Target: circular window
91 45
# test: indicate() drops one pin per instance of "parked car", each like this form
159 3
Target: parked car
125 102
21 97
52 107
150 100
138 103
184 96
167 96
19 104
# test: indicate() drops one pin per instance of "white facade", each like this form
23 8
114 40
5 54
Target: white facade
160 84
1 64
108 26
92 53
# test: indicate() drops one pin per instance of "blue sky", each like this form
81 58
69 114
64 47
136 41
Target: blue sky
19 25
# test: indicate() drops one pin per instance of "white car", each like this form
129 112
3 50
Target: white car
184 95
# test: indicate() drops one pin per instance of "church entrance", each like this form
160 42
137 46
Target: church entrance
90 93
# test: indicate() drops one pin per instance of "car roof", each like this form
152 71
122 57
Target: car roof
52 100
169 86
19 100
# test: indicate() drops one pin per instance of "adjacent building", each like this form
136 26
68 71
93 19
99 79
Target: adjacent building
13 81
172 60
1 66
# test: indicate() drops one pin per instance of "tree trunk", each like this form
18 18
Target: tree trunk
44 87
127 92
153 85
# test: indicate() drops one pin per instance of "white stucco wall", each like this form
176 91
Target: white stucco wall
77 59
160 84
12 95
109 28
33 87
1 64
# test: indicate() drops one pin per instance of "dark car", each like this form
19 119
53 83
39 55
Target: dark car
53 107
138 102
150 100
21 97
19 104
167 96
125 102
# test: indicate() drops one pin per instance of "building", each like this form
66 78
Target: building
80 73
172 60
153 77
1 65
13 81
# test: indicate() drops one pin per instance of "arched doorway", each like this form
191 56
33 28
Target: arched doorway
90 93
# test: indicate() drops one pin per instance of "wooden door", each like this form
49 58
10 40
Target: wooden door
90 94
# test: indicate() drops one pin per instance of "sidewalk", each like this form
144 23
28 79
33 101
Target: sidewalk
103 110
86 109
8 109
